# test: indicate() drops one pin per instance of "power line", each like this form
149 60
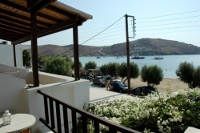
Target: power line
174 27
170 19
170 32
84 34
92 37
101 31
170 23
170 15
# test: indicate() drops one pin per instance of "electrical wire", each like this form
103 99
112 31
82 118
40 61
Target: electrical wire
92 37
168 24
171 19
173 28
101 31
85 33
141 22
170 14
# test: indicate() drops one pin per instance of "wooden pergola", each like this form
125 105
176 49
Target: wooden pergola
27 20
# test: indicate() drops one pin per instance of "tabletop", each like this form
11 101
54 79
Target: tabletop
19 122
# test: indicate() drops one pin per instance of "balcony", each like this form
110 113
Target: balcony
56 101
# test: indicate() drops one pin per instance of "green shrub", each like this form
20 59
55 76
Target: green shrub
159 113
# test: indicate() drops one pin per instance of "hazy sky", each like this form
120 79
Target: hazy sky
177 20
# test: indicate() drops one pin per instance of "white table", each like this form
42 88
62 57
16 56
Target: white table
19 122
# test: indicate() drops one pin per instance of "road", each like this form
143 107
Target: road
98 93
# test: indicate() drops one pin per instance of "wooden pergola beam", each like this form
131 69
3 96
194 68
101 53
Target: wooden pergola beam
14 56
36 5
5 26
26 20
22 18
24 9
34 50
14 25
76 52
52 29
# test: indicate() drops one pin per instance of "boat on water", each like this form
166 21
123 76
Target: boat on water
98 57
158 58
117 57
137 57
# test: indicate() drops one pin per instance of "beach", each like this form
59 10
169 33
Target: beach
165 84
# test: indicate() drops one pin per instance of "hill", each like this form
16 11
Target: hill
144 46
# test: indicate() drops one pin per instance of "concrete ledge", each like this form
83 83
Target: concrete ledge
192 130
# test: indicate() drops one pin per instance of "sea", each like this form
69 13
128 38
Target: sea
169 64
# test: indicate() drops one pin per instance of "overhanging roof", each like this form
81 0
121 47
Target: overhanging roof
15 25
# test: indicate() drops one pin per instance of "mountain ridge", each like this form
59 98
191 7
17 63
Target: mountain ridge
143 47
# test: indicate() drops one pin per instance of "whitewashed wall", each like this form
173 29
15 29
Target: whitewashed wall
16 72
75 93
6 54
12 94
15 97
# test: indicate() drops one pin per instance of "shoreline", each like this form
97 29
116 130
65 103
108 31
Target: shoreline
164 86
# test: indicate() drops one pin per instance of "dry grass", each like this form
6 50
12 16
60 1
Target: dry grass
165 84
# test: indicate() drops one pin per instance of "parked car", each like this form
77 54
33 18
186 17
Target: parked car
108 77
90 77
99 80
119 86
143 90
86 75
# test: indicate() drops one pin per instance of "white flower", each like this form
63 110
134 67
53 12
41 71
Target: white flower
160 128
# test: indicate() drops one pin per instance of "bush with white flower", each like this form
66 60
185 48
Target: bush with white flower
159 113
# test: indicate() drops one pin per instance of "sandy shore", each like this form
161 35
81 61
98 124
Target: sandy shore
165 84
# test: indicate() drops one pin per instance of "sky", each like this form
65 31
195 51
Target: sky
177 20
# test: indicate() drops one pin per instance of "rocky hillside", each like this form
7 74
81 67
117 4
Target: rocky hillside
139 47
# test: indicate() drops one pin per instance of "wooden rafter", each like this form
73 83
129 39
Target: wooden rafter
25 20
63 25
37 5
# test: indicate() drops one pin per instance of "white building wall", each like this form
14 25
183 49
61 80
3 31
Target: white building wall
74 93
12 94
16 72
7 57
16 97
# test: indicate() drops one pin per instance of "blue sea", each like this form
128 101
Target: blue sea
169 63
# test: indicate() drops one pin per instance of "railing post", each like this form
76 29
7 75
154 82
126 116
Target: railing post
52 113
96 127
112 130
46 110
74 111
65 117
74 123
84 124
58 117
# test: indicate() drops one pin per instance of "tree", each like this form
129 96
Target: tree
134 71
151 74
90 65
26 58
188 74
80 64
123 70
43 59
69 60
59 66
112 69
104 69
197 77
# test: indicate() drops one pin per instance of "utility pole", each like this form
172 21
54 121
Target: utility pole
127 48
127 53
